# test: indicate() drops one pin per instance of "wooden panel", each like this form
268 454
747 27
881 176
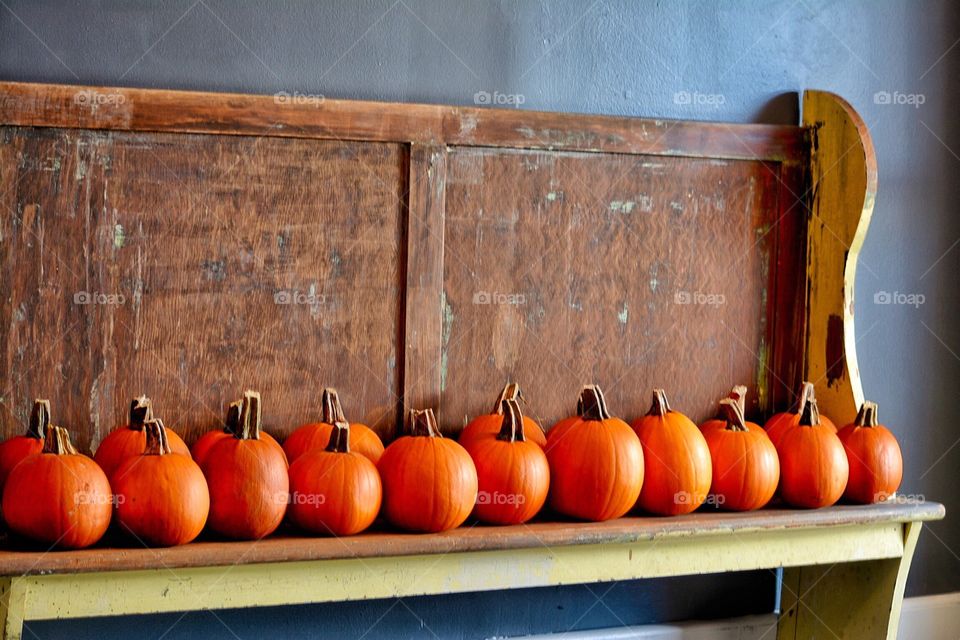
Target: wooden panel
537 535
192 267
317 116
632 272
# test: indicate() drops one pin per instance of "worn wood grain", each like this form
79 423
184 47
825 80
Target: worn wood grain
372 544
193 267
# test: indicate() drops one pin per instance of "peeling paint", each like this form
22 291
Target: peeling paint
622 206
624 314
676 206
119 238
553 196
448 317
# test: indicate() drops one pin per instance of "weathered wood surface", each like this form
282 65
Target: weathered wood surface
633 272
843 186
286 548
193 267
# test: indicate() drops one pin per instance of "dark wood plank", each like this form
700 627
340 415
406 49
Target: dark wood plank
224 263
477 538
318 117
633 272
423 370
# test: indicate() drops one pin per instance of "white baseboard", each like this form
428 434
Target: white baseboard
928 617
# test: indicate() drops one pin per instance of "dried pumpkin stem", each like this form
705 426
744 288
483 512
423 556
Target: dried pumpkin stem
867 416
141 410
424 423
58 442
250 417
231 424
731 411
511 429
157 444
592 405
331 410
511 391
339 438
739 393
659 407
39 420
809 411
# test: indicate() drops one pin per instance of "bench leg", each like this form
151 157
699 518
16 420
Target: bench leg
857 600
13 598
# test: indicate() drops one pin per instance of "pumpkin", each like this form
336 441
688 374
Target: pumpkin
128 441
676 460
58 497
161 497
780 423
247 479
596 462
334 490
512 472
316 435
201 448
490 425
429 482
876 464
15 449
813 464
746 469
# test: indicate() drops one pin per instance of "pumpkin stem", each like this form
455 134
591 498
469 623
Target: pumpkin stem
592 405
250 417
157 444
867 416
511 391
231 424
511 429
809 412
739 393
39 420
58 442
424 423
331 410
339 438
659 407
141 410
732 412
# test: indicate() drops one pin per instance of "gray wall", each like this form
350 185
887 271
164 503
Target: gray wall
613 57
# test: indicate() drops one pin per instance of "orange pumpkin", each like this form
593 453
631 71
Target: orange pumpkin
316 435
513 473
334 490
596 462
429 482
876 464
15 449
247 479
128 441
780 423
813 464
201 448
58 497
676 460
490 425
746 469
162 498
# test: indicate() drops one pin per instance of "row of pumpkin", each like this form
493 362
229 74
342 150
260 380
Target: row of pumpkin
335 478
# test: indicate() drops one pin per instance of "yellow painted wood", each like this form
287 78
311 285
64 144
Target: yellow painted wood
843 188
858 600
119 593
13 593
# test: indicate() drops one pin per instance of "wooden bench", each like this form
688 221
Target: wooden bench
190 245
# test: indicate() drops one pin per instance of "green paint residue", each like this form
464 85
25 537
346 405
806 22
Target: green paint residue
119 237
624 314
445 338
622 206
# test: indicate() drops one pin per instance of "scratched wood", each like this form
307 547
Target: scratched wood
634 272
193 267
